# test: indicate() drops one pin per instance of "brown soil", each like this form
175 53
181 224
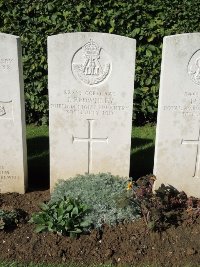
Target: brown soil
123 244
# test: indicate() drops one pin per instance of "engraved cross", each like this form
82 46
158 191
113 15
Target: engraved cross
197 161
90 140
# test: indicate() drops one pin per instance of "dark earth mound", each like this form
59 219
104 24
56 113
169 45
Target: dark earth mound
124 244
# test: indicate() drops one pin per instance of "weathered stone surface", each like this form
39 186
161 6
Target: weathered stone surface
91 81
13 156
177 151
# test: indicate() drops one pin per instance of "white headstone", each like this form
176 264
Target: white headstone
13 157
91 82
177 151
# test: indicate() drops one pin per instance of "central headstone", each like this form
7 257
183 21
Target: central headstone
91 82
13 156
177 152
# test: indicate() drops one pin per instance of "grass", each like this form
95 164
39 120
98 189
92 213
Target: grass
38 156
142 150
141 160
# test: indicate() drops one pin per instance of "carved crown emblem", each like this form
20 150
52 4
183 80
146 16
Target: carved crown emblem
90 64
91 49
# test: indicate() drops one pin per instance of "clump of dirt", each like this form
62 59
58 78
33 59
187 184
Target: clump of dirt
128 244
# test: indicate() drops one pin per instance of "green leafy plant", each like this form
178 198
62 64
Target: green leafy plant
65 216
9 219
101 192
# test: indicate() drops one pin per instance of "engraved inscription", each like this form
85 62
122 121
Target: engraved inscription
91 64
6 175
197 160
90 102
6 110
90 140
89 109
194 67
6 64
190 105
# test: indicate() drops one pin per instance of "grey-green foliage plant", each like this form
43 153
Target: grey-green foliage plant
8 219
65 216
101 193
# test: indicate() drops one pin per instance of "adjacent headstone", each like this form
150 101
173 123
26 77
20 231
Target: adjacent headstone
13 162
177 151
91 81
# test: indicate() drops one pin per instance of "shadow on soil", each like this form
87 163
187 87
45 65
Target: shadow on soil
38 163
141 161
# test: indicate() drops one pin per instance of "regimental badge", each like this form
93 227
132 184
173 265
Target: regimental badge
91 64
2 110
194 67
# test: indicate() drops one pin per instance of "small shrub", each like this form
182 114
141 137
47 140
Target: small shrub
164 208
101 193
64 216
9 219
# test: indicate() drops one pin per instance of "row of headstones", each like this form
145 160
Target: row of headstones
91 78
